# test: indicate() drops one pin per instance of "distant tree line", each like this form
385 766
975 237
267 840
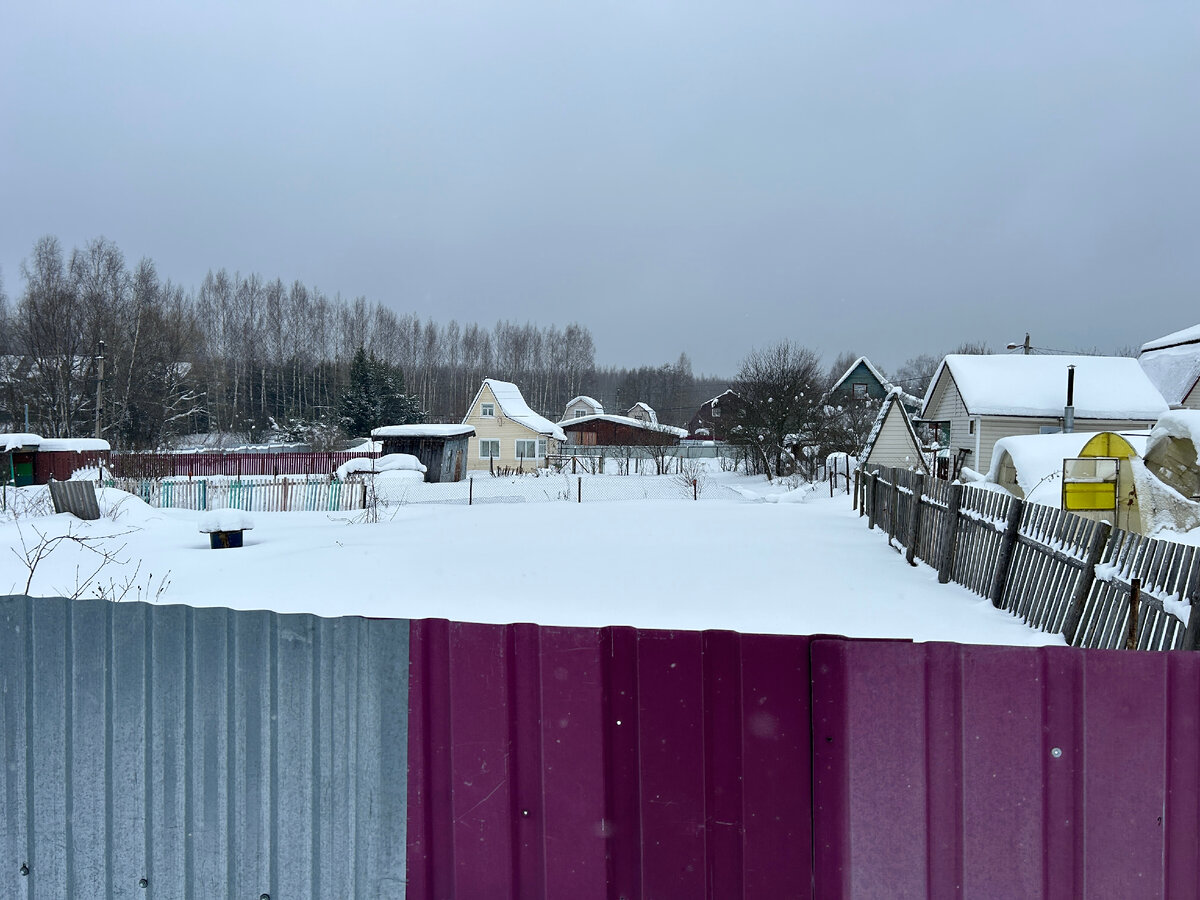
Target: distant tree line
260 359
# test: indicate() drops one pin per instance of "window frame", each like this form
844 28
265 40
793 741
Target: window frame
489 442
487 410
517 449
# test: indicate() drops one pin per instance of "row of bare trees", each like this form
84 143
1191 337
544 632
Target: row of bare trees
247 356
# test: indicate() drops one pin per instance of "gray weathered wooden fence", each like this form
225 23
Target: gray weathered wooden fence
1062 573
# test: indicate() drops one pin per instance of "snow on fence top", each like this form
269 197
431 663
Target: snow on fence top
423 431
1106 387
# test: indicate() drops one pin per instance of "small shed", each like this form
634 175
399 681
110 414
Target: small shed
893 441
643 412
17 453
619 431
442 449
32 459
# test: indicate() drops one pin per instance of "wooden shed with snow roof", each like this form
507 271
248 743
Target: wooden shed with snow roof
442 449
985 398
32 459
619 431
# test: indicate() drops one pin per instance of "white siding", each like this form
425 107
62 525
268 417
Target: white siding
1192 399
894 444
993 428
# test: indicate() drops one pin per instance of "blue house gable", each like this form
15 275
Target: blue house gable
862 381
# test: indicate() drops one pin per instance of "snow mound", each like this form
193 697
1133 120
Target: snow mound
225 520
392 462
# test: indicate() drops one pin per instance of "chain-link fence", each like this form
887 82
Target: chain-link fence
551 488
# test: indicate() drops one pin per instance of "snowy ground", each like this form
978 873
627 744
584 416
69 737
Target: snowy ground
804 565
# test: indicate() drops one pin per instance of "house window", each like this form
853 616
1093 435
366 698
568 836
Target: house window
971 426
488 411
541 448
489 449
716 412
858 390
527 449
580 413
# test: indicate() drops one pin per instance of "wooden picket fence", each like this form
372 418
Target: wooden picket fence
310 495
1061 573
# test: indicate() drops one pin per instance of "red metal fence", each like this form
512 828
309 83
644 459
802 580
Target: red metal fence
616 763
197 465
60 464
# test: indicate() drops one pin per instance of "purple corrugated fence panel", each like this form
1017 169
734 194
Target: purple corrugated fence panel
607 763
947 770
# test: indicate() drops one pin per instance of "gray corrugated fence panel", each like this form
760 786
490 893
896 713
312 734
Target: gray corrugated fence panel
212 753
76 497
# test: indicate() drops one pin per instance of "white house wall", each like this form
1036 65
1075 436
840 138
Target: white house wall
894 445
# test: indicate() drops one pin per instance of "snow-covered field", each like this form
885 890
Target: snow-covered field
803 564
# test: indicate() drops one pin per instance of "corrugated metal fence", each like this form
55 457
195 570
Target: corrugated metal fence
163 752
168 752
1098 586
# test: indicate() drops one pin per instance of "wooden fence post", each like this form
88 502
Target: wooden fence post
1191 634
1079 598
914 518
857 501
579 489
950 534
872 488
1135 596
1007 548
893 503
470 491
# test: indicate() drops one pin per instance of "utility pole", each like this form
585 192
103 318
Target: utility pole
99 386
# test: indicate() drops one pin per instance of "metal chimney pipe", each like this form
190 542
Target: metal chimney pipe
1069 410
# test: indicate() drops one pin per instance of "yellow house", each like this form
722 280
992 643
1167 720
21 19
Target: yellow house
508 434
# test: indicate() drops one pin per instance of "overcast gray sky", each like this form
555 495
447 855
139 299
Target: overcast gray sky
885 177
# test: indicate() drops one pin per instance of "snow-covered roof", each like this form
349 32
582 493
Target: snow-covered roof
626 420
1173 363
590 401
79 445
1184 336
724 393
1106 387
19 439
392 462
423 431
651 415
1183 424
1038 460
513 405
